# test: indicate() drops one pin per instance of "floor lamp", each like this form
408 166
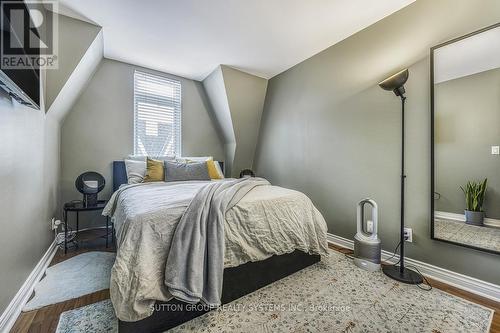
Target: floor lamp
395 84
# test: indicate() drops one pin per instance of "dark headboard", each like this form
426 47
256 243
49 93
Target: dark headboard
120 173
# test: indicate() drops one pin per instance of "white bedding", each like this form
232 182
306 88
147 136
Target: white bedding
268 221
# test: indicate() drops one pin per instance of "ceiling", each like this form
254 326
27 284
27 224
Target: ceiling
478 53
192 37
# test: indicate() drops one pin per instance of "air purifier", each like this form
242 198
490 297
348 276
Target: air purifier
367 246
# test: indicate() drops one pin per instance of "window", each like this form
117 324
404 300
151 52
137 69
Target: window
157 115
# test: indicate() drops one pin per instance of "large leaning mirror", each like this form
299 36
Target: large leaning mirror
465 107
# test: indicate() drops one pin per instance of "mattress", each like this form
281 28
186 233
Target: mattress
269 220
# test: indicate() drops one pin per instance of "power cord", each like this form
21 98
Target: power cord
427 283
71 234
423 278
60 237
394 253
415 268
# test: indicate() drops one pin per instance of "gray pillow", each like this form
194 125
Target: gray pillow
175 171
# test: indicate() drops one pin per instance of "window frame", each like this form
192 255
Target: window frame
177 114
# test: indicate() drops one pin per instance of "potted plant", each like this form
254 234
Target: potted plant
474 198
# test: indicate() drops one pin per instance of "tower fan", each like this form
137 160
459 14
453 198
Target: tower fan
367 246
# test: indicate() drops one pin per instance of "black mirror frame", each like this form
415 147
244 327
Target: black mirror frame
433 189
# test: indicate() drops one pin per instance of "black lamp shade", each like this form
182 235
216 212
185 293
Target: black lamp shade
396 82
89 184
86 181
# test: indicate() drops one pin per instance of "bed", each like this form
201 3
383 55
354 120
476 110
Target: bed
272 232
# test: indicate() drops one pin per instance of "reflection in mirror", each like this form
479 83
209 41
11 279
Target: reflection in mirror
466 109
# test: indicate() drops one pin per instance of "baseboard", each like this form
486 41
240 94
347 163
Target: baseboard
464 282
461 218
13 310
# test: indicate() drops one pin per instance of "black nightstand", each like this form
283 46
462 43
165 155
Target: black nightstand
78 207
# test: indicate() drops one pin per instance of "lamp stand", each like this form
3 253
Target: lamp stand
90 200
401 273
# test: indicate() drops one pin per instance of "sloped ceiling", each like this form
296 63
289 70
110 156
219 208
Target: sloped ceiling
217 96
74 38
78 80
237 101
245 95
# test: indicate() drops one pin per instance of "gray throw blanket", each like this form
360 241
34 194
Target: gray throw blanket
195 263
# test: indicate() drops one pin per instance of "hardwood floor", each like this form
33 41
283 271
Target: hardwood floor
45 320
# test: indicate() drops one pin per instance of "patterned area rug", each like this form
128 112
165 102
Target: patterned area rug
331 296
81 275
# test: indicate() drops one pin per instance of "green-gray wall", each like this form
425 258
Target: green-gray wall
331 132
215 90
30 167
245 95
29 174
237 101
467 125
99 128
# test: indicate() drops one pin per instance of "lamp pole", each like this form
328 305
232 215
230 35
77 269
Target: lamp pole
403 179
401 273
395 83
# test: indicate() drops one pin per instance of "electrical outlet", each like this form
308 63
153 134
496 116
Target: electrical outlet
408 233
54 224
495 150
369 226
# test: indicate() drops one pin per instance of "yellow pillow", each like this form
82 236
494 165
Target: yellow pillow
212 170
154 171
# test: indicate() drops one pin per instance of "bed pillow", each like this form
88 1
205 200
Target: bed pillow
154 171
189 159
137 158
143 158
214 170
175 171
136 171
